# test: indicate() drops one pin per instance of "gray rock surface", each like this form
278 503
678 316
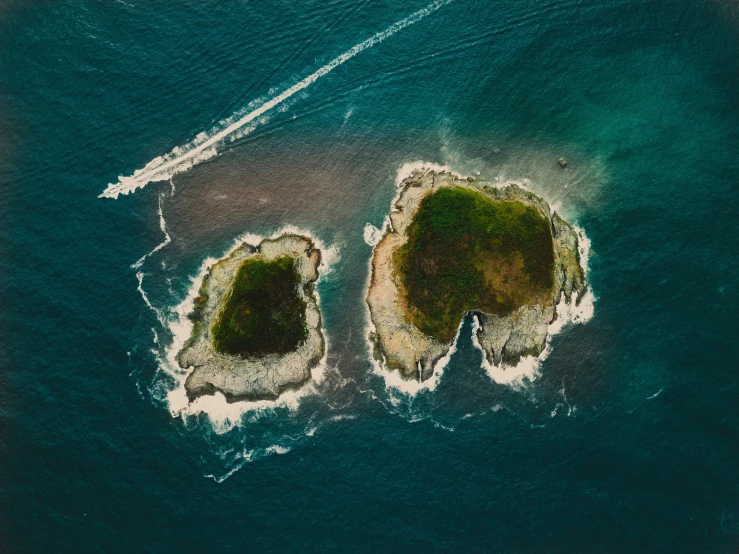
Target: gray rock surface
252 378
504 339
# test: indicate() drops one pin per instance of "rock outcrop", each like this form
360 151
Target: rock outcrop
504 339
252 378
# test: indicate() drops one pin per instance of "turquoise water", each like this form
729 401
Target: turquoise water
626 441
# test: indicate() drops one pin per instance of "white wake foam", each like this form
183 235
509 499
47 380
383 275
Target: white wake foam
165 242
204 146
160 316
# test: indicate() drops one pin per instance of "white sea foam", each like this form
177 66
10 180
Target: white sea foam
343 417
372 234
205 145
246 456
526 368
330 257
583 248
277 449
223 415
407 169
233 470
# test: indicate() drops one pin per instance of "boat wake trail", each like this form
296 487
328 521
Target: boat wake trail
205 146
165 242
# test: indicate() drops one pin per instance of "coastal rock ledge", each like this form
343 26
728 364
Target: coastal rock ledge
504 337
263 377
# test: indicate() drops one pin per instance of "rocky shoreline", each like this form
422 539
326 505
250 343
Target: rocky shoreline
400 346
261 378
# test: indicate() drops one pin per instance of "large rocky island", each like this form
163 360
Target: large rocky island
256 322
454 246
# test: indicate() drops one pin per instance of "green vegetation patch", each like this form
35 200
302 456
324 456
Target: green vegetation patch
466 251
263 312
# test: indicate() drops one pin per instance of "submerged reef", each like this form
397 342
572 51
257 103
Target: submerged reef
455 246
256 322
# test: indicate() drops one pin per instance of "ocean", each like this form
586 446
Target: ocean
140 140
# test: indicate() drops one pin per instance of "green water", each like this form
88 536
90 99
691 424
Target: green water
626 441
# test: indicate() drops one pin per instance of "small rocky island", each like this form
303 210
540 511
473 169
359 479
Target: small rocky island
256 322
455 246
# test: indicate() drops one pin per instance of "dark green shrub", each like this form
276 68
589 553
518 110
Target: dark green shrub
263 312
466 251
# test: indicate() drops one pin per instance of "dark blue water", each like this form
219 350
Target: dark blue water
628 440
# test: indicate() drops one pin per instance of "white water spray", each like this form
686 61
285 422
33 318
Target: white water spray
203 148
